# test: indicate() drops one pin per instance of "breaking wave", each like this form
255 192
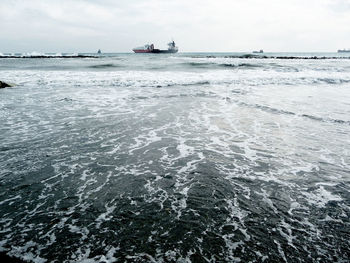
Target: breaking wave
215 65
104 66
280 111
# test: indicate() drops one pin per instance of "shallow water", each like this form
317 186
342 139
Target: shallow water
175 158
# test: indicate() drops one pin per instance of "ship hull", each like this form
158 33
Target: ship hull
163 51
155 51
141 51
150 49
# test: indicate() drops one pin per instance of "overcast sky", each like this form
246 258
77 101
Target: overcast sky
195 25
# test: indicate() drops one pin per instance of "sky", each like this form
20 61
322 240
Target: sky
195 25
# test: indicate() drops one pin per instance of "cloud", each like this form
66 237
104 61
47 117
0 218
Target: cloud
339 5
228 25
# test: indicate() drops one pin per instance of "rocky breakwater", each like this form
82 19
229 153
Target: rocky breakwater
5 85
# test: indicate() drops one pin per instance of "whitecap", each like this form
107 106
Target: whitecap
321 197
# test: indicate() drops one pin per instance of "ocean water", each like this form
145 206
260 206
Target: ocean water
189 157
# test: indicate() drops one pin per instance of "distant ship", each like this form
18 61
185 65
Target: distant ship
150 49
343 50
99 51
260 51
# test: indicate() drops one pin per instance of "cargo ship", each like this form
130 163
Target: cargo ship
344 51
172 48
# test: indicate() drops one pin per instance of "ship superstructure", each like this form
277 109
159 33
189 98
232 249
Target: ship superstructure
149 48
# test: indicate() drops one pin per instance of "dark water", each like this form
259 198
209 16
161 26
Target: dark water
175 158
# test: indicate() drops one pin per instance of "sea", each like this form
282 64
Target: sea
188 157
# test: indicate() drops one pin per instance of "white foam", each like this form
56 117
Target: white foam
2 245
263 258
107 258
10 199
312 227
141 256
25 254
85 175
33 53
184 149
267 200
105 216
155 194
280 250
83 231
82 255
321 197
293 206
144 140
287 232
328 218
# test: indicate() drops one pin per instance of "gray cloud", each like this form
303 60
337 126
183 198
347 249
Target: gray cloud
228 25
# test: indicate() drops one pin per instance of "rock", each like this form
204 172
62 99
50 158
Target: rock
249 56
5 85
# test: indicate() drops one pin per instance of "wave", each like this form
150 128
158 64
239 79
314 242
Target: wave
46 55
252 56
195 83
280 111
315 118
331 80
199 64
221 65
102 66
266 108
170 96
241 65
